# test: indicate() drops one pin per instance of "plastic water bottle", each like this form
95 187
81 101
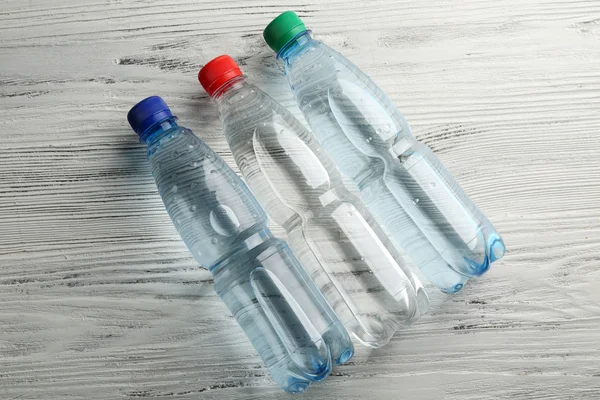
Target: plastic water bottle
328 229
403 184
284 315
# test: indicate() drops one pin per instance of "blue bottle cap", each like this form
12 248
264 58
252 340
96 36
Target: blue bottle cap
147 113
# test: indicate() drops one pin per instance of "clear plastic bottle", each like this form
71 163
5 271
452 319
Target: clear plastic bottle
334 237
401 181
282 312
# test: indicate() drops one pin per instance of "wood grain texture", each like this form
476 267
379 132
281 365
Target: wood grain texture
99 299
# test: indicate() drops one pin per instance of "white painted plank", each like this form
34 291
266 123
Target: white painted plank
99 299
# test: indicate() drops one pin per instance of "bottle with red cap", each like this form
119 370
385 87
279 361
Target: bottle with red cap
287 319
336 240
401 181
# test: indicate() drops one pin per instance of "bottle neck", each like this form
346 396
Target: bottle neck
158 130
292 47
228 88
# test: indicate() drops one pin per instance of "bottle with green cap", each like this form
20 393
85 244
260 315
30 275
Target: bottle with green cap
403 184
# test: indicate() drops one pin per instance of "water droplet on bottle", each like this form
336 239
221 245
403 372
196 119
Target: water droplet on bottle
369 139
281 132
432 184
387 128
223 220
193 208
194 185
174 189
349 213
362 258
214 240
209 156
378 130
191 146
212 171
415 201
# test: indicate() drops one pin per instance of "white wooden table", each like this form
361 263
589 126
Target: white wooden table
99 298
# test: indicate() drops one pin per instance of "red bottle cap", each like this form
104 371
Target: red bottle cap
217 72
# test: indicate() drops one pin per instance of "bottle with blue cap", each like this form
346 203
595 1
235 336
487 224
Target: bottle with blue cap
287 319
403 184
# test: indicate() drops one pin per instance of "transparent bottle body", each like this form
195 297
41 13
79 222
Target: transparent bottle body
286 318
335 238
401 181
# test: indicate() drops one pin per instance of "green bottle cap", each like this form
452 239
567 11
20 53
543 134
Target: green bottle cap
283 29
